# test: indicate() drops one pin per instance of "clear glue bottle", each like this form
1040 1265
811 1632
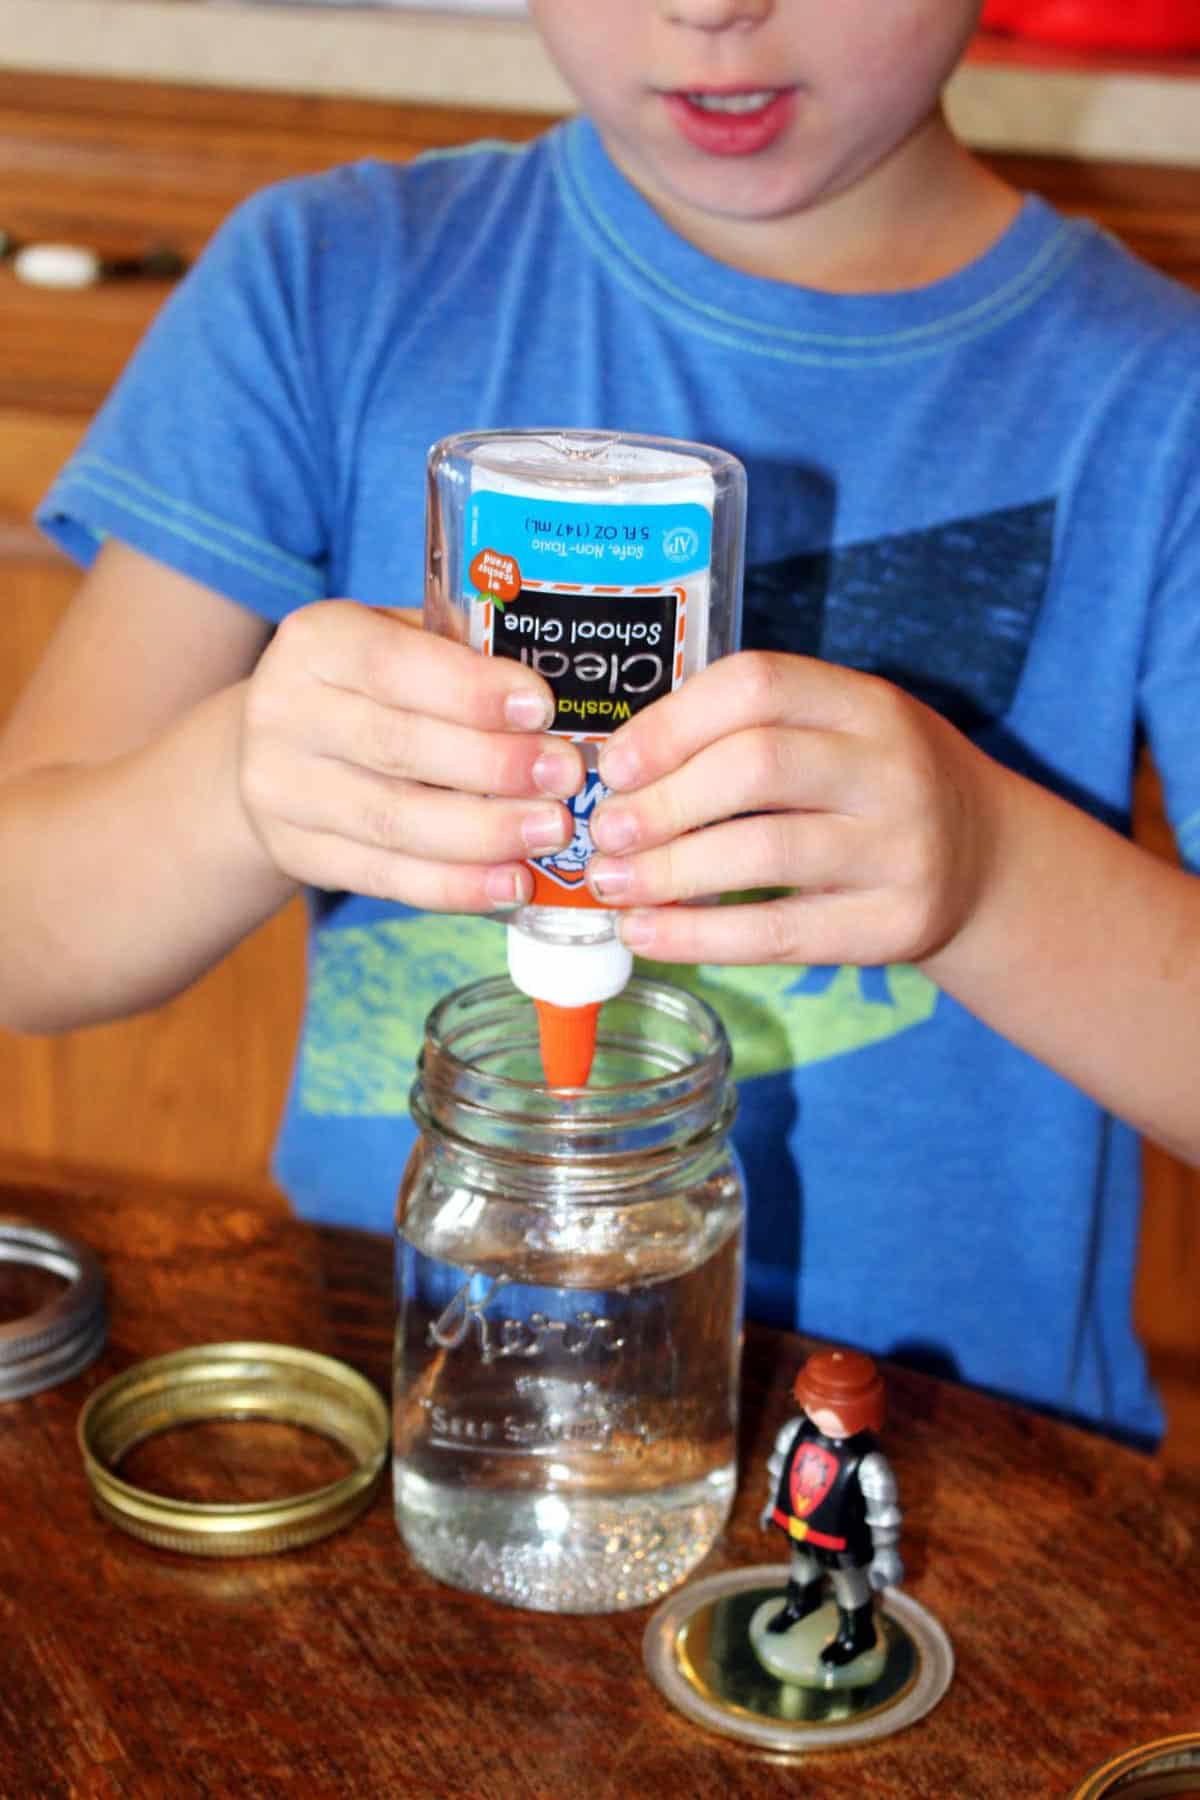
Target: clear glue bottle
612 565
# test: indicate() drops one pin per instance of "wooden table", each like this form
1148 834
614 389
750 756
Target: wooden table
1065 1570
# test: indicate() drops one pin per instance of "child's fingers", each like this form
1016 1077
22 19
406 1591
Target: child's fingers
738 693
324 860
762 769
381 655
370 812
799 928
814 851
416 747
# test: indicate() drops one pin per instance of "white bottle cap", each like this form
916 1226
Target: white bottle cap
57 266
567 974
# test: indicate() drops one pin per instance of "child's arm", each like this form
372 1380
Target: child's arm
174 771
904 843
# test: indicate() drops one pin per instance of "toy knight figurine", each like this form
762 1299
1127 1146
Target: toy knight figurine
834 1494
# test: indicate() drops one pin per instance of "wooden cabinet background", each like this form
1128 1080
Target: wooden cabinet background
193 1091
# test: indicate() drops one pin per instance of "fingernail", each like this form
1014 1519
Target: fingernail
556 773
544 829
528 712
613 829
508 887
609 880
619 767
637 930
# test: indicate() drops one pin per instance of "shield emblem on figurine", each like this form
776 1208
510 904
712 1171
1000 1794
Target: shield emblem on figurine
813 1474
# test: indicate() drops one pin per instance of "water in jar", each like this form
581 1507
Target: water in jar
564 1433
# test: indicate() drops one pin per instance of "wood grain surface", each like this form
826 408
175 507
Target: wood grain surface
1064 1568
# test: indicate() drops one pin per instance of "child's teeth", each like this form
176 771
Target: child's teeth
733 103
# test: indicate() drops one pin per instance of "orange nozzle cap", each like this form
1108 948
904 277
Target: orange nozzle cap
568 1040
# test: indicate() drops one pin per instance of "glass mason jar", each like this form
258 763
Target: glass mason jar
569 1287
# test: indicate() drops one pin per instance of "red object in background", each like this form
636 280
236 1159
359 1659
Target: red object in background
1143 25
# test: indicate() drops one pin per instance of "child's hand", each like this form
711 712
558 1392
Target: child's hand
380 759
776 771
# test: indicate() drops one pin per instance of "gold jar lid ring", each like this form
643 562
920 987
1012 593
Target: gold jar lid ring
229 1381
1166 1767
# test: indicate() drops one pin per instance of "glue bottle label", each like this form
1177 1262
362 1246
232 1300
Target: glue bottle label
573 540
604 661
606 603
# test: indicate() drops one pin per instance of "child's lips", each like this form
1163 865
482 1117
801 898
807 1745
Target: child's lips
731 122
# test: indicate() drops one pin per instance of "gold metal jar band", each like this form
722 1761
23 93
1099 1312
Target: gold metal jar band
1167 1766
234 1381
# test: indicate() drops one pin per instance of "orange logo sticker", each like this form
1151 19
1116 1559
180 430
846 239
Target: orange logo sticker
496 576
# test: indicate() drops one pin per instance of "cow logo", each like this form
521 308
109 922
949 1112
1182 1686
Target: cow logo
568 866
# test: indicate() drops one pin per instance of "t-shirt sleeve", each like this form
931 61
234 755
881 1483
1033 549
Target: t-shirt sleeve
209 453
1170 678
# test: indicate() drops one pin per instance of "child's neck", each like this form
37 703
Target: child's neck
930 210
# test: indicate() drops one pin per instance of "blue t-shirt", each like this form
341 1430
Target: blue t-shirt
986 490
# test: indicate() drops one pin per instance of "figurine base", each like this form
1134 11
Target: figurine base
699 1653
794 1655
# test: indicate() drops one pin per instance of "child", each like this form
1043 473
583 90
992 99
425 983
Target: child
972 432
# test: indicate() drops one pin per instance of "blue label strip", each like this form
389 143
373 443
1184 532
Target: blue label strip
619 546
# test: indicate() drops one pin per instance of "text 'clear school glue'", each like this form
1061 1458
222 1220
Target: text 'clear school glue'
612 565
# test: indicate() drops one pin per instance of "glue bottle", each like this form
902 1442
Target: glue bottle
612 565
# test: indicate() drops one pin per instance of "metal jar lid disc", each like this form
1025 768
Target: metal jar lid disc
234 1381
62 1337
697 1651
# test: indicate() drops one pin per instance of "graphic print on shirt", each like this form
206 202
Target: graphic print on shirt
813 1473
947 613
